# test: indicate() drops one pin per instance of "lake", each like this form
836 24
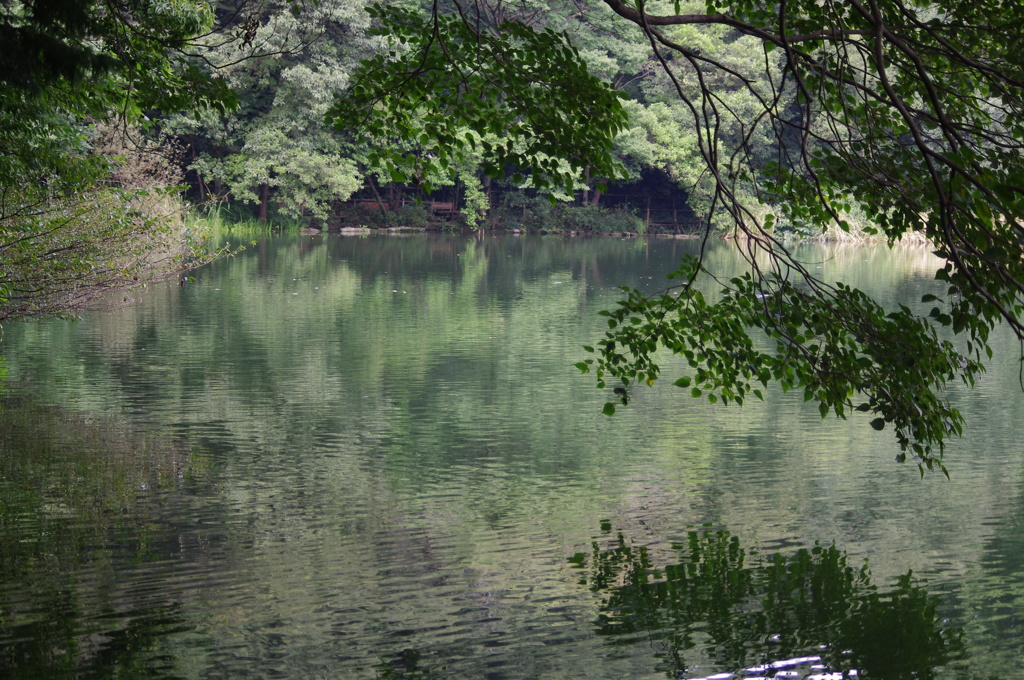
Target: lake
372 457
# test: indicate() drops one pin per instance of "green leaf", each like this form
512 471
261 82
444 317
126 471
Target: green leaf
609 409
878 423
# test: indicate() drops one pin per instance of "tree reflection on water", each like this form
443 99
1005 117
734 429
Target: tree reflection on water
720 607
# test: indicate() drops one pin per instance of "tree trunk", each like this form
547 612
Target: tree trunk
376 195
264 200
392 197
199 175
486 211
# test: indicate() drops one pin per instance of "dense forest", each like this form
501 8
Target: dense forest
246 116
283 153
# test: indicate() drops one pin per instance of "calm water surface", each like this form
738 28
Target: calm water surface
372 458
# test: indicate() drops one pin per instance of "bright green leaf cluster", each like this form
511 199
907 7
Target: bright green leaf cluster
520 98
844 352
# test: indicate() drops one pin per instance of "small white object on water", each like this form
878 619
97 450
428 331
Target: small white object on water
783 663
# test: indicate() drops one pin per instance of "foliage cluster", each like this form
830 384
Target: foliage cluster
79 216
837 352
510 112
61 255
274 150
910 113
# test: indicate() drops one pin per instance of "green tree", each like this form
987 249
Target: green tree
276 147
70 226
907 111
456 86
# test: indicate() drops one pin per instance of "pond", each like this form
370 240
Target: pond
371 457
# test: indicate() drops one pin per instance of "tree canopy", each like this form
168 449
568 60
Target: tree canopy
905 111
522 97
277 138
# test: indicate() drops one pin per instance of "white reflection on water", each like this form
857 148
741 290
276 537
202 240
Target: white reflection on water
784 668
